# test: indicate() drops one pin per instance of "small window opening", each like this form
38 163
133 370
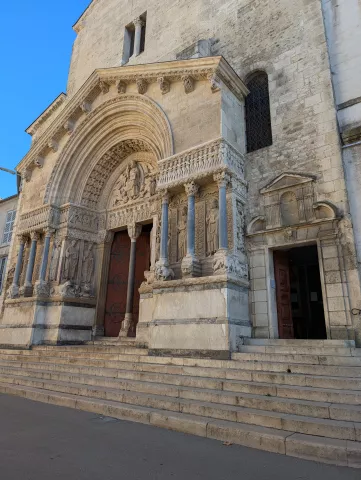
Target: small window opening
258 115
134 38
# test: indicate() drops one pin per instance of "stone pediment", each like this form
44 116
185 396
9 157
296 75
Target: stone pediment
287 180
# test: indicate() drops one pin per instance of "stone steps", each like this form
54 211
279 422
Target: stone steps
309 406
335 451
299 343
119 360
86 349
300 350
142 394
305 359
177 375
175 383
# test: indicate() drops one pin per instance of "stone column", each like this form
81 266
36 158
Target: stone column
162 270
164 228
190 264
28 286
138 24
14 289
42 287
134 231
222 262
222 180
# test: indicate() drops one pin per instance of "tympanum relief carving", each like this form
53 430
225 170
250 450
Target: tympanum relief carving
137 181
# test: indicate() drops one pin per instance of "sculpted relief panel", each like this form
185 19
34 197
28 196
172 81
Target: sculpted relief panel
136 182
212 222
106 166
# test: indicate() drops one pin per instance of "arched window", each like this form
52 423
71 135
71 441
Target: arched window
258 115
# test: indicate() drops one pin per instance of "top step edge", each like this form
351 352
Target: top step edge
296 342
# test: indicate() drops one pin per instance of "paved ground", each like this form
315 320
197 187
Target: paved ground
45 442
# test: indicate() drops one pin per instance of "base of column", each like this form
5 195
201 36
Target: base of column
126 325
27 291
13 292
162 270
98 331
191 267
42 289
225 264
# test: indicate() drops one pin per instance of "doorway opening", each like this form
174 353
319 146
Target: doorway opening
116 297
299 294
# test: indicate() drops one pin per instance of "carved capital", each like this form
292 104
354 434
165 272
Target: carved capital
22 239
139 22
191 188
165 196
189 83
104 86
121 87
142 85
35 236
49 232
164 85
222 179
39 162
53 145
134 230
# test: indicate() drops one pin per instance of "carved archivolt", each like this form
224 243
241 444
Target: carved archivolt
120 119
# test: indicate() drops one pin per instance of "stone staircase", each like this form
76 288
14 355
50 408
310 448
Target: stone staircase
299 398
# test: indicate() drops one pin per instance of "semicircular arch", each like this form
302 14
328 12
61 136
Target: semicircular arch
129 118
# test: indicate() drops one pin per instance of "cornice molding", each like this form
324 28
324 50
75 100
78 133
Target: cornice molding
60 100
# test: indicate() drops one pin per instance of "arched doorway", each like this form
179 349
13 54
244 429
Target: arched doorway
105 185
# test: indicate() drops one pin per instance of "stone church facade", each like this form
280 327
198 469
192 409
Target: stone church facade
189 190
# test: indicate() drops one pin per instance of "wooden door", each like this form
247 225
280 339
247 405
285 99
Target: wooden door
117 284
142 263
283 294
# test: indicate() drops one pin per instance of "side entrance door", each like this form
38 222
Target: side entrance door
117 284
283 294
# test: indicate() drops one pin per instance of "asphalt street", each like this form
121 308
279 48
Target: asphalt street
45 442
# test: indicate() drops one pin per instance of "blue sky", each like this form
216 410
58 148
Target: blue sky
36 39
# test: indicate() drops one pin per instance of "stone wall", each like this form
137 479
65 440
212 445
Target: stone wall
343 31
5 206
